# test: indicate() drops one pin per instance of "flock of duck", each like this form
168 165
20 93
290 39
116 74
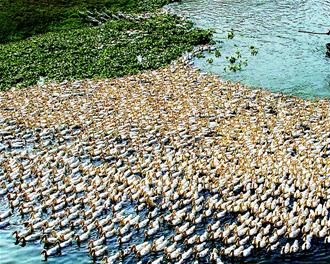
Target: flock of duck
166 166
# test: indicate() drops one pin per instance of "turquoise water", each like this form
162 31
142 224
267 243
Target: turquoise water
288 61
30 254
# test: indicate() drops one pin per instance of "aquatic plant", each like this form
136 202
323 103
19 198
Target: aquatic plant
217 53
253 50
233 62
200 55
230 34
210 60
20 19
103 51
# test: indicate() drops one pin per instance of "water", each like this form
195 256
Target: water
30 254
288 61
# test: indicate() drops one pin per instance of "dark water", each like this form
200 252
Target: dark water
288 61
30 254
12 254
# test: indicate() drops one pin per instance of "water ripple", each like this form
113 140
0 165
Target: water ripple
288 61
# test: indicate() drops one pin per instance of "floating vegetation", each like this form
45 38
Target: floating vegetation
253 50
134 169
104 51
21 19
217 53
209 60
235 61
230 34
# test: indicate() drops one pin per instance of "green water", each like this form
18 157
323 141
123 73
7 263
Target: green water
288 61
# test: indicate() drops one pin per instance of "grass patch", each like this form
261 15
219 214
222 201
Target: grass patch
116 48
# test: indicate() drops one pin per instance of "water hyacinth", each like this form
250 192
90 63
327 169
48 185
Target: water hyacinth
109 50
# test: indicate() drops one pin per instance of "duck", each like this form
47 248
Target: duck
182 228
139 247
106 228
23 233
274 238
230 240
186 255
177 238
144 250
63 234
125 239
51 252
98 242
151 231
307 245
192 240
174 254
213 227
66 243
214 257
83 237
124 229
227 251
272 247
203 253
321 233
48 241
247 251
159 244
99 252
294 247
285 249
113 259
189 231
29 238
204 237
170 249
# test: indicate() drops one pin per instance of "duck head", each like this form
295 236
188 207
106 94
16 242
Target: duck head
44 253
22 241
15 233
78 240
71 224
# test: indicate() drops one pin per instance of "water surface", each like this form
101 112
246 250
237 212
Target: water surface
288 61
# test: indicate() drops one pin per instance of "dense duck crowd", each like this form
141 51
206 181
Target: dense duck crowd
166 166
